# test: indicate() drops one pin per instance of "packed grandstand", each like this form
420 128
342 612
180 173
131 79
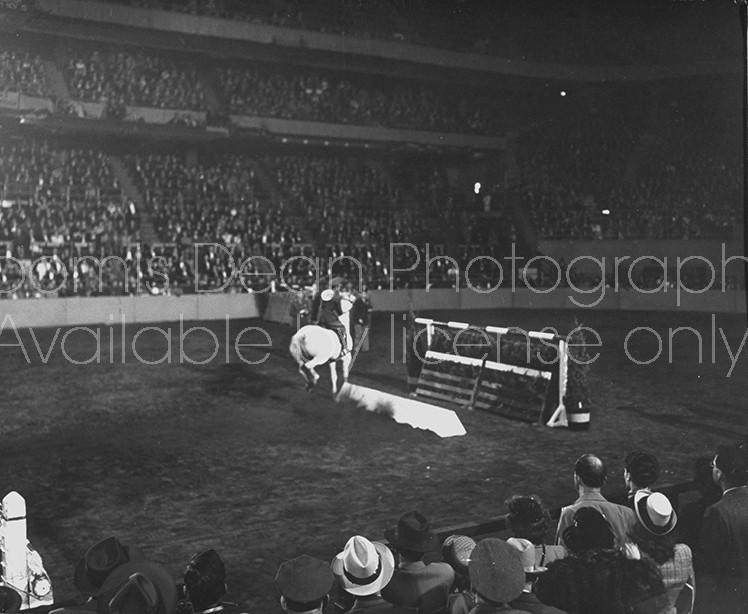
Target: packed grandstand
140 161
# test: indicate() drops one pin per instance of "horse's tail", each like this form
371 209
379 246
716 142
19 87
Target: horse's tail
295 348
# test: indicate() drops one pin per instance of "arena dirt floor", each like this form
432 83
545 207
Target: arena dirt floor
177 457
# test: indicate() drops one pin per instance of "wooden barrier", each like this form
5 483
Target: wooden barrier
521 393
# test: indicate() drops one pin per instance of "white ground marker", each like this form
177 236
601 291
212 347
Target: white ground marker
443 422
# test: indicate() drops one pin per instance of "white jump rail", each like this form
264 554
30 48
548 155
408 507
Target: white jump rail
559 417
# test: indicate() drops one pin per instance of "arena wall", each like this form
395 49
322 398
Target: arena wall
715 301
78 311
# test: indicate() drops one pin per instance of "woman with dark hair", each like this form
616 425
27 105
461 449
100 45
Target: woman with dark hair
596 577
654 538
204 583
528 519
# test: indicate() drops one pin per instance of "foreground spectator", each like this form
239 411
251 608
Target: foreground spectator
456 552
654 537
497 576
99 561
590 474
589 531
722 554
691 514
596 577
363 569
205 581
528 601
304 584
415 584
602 581
529 520
138 587
641 471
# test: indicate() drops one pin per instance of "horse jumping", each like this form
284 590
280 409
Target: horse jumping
313 345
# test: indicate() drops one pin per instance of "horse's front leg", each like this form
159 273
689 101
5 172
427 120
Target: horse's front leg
347 360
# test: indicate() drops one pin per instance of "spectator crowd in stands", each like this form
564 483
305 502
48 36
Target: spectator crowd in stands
608 557
126 77
22 72
326 97
66 203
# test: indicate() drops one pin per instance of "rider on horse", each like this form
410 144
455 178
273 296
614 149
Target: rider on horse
326 312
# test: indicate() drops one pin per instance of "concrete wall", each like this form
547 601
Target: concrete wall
711 301
715 301
77 311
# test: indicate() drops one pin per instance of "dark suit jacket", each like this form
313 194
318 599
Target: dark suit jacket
426 587
722 555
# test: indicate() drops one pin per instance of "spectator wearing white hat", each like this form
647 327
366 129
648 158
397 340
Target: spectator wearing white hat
363 569
653 536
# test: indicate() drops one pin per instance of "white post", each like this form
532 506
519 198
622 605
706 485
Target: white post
13 527
559 417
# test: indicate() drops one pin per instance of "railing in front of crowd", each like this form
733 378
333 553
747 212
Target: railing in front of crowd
498 524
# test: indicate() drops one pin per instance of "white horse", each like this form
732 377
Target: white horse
313 345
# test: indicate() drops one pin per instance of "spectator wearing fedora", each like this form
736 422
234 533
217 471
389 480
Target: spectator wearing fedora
653 536
304 584
640 472
414 583
590 474
99 561
528 601
722 554
529 520
691 514
456 552
497 577
363 569
138 587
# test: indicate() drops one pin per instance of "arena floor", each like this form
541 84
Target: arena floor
177 457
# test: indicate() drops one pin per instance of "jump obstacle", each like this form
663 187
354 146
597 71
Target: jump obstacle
517 374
